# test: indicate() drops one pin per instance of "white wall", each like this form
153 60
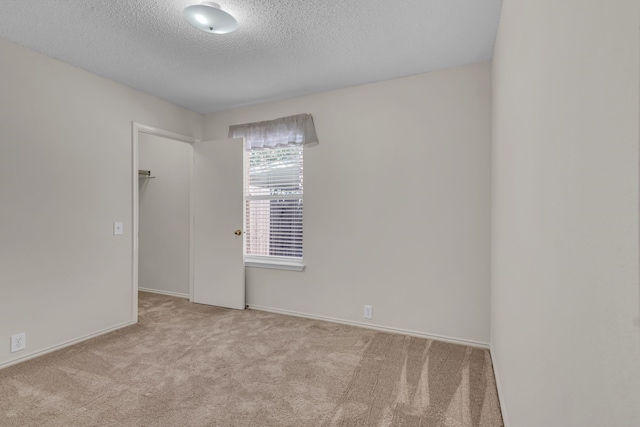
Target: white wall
397 204
65 176
164 216
565 298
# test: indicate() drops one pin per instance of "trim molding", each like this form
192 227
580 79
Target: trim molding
157 291
66 344
503 408
372 326
278 265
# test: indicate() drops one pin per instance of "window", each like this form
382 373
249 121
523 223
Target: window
273 203
273 189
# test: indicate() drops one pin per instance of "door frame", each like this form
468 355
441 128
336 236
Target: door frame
136 130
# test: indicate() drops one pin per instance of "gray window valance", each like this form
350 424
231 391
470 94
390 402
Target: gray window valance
292 130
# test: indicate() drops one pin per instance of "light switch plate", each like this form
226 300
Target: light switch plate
118 228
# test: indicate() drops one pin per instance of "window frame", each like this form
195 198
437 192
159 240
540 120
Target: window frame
266 261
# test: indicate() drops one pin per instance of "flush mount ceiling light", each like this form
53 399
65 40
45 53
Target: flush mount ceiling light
210 18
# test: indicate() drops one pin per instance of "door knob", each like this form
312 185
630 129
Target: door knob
237 232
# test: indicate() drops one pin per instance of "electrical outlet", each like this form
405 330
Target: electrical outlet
368 312
18 342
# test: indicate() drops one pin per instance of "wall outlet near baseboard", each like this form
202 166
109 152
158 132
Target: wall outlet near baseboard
368 312
18 342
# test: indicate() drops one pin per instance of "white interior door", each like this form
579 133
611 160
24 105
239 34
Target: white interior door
218 270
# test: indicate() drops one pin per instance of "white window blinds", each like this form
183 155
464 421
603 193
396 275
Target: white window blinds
273 202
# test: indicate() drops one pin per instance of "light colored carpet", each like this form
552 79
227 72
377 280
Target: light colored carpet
193 365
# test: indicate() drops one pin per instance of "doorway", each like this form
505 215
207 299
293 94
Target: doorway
215 213
159 185
164 216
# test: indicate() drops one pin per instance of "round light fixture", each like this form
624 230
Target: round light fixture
210 18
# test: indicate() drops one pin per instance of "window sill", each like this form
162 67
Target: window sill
278 264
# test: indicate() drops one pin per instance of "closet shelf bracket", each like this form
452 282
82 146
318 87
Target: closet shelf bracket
144 174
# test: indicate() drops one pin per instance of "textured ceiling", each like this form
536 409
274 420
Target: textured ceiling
282 48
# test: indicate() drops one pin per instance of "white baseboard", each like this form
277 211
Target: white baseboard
66 344
372 326
156 291
503 408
